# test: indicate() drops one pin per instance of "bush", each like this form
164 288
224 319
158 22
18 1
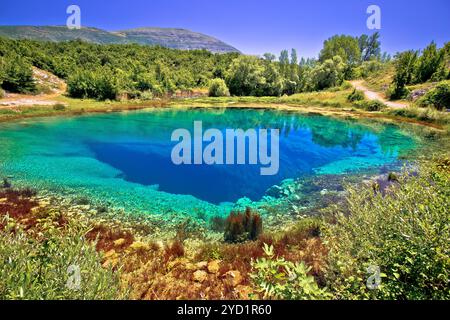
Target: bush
277 278
240 227
371 106
146 95
438 97
404 231
59 107
356 95
39 269
2 93
218 88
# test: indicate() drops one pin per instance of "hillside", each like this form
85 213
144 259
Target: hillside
165 37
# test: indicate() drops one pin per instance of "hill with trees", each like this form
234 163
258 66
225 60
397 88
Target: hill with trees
165 37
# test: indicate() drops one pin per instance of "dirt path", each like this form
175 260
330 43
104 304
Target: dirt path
372 95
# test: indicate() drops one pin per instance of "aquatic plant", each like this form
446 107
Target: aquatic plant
240 227
6 184
174 250
109 238
217 223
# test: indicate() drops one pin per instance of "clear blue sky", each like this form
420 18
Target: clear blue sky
253 26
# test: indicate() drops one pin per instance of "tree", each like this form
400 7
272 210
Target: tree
17 74
346 47
370 46
270 57
250 76
274 81
294 57
429 63
328 74
245 76
404 72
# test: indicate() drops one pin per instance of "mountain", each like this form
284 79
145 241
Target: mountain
166 37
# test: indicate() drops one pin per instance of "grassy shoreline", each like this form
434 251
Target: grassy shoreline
327 103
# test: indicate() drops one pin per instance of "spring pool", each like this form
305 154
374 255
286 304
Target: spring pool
126 157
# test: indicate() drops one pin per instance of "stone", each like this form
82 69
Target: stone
214 266
201 265
233 278
200 276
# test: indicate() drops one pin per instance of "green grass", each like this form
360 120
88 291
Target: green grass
330 98
381 80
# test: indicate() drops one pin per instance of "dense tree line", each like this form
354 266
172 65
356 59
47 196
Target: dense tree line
135 71
106 71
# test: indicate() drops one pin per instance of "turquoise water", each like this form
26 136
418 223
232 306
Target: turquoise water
125 158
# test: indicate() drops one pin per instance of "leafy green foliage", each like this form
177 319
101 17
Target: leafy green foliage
277 278
372 105
438 97
328 74
404 73
370 46
16 74
218 88
404 230
38 268
412 68
430 65
346 47
104 71
356 95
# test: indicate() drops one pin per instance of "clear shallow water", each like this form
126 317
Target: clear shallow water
126 157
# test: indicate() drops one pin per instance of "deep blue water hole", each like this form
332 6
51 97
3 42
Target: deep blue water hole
115 153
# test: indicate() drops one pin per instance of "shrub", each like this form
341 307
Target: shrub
59 107
371 106
356 95
277 278
240 227
438 97
218 88
404 231
146 95
38 269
